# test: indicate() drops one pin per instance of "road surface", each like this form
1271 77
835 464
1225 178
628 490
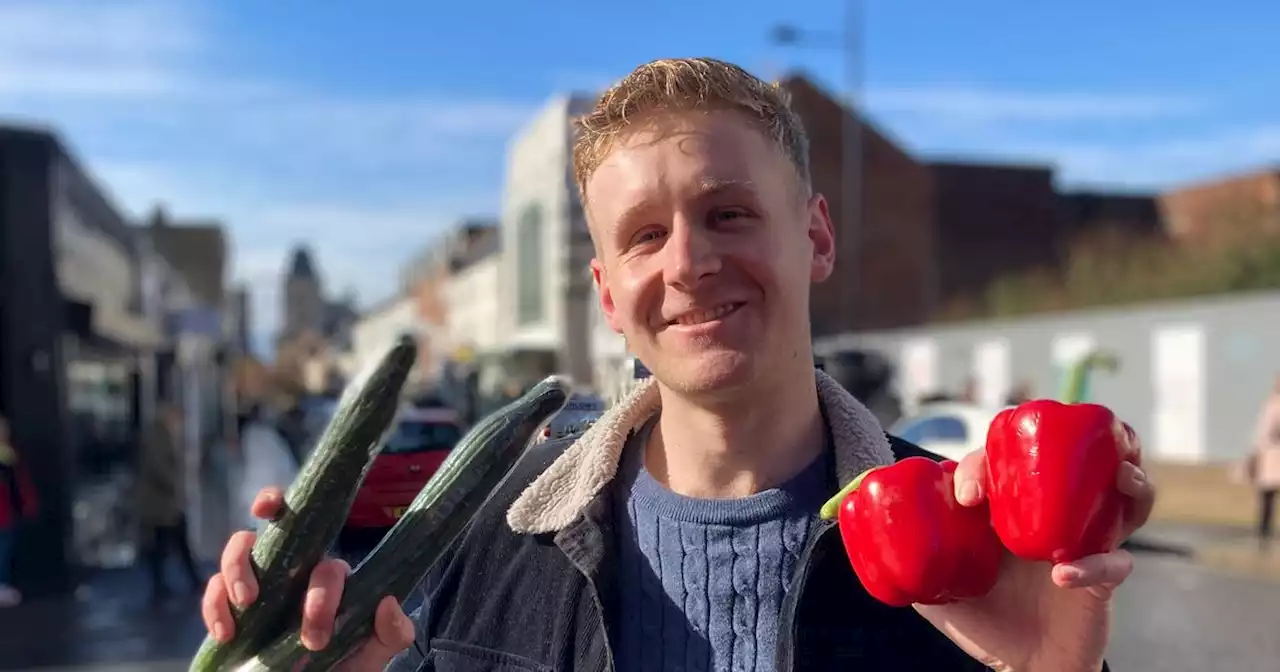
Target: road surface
1172 616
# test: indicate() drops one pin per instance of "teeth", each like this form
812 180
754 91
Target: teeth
705 315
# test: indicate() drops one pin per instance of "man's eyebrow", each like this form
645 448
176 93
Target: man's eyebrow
706 187
712 186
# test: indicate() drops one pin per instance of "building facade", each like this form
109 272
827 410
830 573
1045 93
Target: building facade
429 277
240 320
303 291
1247 204
544 276
884 274
378 327
190 374
472 300
930 234
315 331
1193 374
75 339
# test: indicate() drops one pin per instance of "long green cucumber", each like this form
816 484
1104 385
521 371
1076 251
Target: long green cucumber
437 516
316 506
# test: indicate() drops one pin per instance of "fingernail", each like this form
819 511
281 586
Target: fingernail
313 639
240 593
219 632
968 492
1070 573
1139 476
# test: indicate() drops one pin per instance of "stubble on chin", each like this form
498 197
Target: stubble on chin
707 374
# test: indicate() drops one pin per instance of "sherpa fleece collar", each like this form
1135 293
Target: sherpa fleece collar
559 495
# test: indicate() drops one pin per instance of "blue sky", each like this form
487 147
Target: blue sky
365 128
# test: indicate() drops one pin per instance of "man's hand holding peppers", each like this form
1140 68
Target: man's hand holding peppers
1013 553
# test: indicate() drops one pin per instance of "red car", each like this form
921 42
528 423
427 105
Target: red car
422 438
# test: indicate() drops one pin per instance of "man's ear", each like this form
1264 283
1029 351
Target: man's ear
606 296
822 233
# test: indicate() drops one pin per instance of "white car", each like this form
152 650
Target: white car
950 429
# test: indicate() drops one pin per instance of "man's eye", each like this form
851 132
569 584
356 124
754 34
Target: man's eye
727 215
648 236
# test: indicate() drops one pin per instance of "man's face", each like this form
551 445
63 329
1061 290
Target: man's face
706 245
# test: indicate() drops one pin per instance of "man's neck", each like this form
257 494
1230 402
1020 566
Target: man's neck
736 450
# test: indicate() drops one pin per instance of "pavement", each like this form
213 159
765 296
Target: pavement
1178 616
1174 614
108 623
1204 516
1205 595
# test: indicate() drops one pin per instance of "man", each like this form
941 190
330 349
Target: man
162 502
680 531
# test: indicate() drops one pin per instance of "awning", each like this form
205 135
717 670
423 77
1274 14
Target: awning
110 327
126 329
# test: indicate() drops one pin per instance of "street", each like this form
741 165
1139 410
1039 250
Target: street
1171 616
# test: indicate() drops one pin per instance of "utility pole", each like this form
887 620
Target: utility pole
848 42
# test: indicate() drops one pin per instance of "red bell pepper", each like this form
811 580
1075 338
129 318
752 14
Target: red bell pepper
1051 474
910 541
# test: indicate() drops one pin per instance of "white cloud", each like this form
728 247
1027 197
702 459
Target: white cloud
985 105
76 49
366 181
357 245
1166 163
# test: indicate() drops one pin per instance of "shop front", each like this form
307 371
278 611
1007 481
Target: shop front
109 394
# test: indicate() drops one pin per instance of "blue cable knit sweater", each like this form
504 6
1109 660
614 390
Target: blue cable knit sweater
702 580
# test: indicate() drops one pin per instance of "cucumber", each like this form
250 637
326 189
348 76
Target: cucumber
316 507
438 515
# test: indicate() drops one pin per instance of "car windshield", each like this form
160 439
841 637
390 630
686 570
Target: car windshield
934 428
413 436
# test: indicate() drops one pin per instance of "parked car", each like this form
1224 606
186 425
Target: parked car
868 376
413 451
578 414
950 429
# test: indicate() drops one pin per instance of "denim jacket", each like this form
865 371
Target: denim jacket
531 585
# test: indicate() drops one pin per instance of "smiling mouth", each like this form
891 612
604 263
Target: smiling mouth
697 317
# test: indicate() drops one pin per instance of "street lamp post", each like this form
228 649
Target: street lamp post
847 41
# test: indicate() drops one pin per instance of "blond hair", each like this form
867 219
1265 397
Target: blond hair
687 84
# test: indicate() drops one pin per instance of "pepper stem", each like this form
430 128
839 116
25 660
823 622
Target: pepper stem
831 509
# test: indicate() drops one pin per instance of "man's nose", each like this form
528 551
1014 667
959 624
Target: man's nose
691 255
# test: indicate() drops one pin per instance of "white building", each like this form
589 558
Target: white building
473 302
378 327
609 357
543 278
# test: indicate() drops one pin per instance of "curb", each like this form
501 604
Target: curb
1239 558
1157 547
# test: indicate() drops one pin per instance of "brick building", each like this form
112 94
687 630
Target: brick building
884 274
1238 205
935 232
991 220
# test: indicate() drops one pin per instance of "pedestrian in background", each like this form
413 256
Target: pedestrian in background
162 499
293 429
1264 463
1020 394
17 502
